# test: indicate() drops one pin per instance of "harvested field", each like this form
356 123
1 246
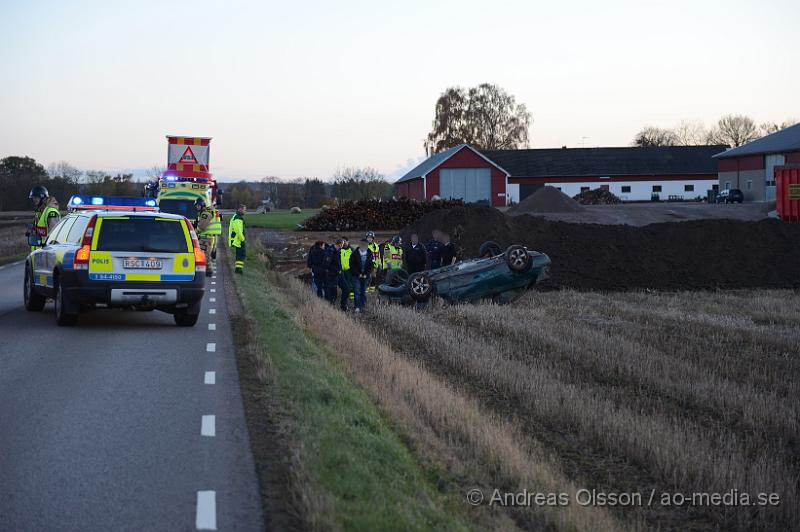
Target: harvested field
12 240
701 254
690 392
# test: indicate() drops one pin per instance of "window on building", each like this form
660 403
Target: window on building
749 184
727 185
604 187
715 188
688 188
656 188
584 189
626 189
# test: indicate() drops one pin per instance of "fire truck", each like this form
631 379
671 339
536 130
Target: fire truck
186 178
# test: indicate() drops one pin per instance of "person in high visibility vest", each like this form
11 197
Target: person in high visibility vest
236 238
393 254
377 261
46 215
215 230
345 281
205 216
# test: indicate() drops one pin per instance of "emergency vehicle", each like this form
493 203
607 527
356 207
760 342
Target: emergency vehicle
117 252
186 178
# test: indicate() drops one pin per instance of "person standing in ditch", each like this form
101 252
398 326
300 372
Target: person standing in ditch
448 251
377 262
316 263
361 267
415 255
332 267
345 281
236 238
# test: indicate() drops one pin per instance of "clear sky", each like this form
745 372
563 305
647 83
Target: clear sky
295 89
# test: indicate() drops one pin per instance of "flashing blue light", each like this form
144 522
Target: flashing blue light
150 203
111 202
97 201
171 178
77 200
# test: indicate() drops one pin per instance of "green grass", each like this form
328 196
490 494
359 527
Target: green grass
365 476
278 219
12 258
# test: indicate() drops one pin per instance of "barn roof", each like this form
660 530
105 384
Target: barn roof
438 158
781 141
660 160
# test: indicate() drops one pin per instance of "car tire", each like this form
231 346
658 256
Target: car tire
184 319
64 318
490 248
518 259
396 277
420 287
33 302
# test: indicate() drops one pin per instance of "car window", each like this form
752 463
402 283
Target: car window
76 231
55 237
142 234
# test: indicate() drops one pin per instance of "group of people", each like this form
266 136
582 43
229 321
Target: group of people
340 270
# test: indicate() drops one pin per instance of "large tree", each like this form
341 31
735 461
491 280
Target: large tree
486 117
734 130
768 128
655 136
360 183
17 176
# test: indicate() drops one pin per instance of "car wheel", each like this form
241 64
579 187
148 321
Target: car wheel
62 304
518 259
420 287
33 302
489 249
184 319
396 277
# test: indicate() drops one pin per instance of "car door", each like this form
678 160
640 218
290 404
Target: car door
44 259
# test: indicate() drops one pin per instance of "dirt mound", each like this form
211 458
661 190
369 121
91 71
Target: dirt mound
546 199
701 254
374 214
597 196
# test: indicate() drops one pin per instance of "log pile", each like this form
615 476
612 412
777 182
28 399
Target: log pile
597 196
374 215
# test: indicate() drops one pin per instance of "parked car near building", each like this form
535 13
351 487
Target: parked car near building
730 195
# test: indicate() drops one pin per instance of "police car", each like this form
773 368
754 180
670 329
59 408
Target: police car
117 252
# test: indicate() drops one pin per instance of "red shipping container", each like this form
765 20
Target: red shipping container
787 192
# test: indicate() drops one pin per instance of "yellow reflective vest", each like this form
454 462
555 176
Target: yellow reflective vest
392 256
345 257
215 227
375 249
236 231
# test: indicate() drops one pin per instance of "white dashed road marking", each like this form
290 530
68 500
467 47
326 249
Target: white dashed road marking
213 282
212 311
206 517
212 326
213 290
213 300
209 426
211 377
211 347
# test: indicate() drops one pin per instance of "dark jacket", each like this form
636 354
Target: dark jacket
316 258
434 248
448 254
355 263
416 258
331 262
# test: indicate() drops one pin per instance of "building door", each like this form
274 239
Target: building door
770 162
473 185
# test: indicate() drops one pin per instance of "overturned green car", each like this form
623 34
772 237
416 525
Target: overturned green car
497 275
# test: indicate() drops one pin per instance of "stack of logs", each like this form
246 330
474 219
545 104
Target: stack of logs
374 215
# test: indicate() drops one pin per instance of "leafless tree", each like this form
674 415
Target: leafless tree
768 128
65 171
486 117
154 172
690 133
655 136
733 130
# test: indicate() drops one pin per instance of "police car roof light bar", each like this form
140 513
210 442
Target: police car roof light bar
111 203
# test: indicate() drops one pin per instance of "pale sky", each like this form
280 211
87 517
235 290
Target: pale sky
293 89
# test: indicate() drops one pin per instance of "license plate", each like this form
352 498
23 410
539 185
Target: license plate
142 264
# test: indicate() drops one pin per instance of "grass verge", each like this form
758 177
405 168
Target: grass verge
12 258
348 468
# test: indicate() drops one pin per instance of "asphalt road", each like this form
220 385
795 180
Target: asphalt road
100 424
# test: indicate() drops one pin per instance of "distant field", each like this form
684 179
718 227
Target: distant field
279 219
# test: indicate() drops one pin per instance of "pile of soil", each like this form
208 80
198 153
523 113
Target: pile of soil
546 199
700 254
597 196
374 215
